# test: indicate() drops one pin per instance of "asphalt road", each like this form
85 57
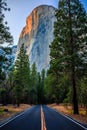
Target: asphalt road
56 121
29 120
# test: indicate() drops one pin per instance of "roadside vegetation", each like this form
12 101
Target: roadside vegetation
10 110
66 80
67 110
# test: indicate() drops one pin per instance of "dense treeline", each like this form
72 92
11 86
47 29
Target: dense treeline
68 53
23 85
5 37
66 79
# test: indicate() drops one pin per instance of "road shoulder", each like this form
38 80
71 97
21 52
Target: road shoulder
82 119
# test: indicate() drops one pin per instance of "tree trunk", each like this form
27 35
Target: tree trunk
74 94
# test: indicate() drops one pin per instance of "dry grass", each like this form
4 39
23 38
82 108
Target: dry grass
12 110
67 110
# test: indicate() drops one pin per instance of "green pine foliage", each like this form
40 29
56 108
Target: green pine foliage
67 75
24 84
34 80
5 35
50 90
68 51
40 87
3 96
21 74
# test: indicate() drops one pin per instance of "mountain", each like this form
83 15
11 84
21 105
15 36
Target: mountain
37 35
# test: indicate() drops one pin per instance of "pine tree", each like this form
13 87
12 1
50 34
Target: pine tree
50 90
5 35
21 74
40 87
68 49
34 83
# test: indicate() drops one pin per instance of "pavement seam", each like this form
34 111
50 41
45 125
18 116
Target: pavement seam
43 123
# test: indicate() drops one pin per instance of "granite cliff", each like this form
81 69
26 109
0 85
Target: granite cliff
37 35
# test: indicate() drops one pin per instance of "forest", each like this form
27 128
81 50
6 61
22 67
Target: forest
66 79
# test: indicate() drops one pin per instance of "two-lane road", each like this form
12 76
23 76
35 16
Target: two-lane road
31 120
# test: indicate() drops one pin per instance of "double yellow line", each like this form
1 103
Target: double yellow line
43 123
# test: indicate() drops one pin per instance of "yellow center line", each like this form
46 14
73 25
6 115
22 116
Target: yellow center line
43 124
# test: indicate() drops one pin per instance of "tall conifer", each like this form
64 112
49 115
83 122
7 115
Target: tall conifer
21 73
68 49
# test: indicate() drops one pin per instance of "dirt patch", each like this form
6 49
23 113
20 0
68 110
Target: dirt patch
67 110
10 110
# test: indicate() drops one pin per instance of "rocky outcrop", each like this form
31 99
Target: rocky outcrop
37 35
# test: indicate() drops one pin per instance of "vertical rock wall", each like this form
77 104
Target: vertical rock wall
38 34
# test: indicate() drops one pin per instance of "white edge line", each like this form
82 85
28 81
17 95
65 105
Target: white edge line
14 118
69 119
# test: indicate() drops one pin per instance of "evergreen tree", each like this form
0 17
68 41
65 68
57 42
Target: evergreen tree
40 87
83 92
68 49
3 96
27 78
5 35
21 74
34 81
50 90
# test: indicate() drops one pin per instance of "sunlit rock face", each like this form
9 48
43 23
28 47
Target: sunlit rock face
37 35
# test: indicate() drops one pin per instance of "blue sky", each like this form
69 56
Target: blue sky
20 9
